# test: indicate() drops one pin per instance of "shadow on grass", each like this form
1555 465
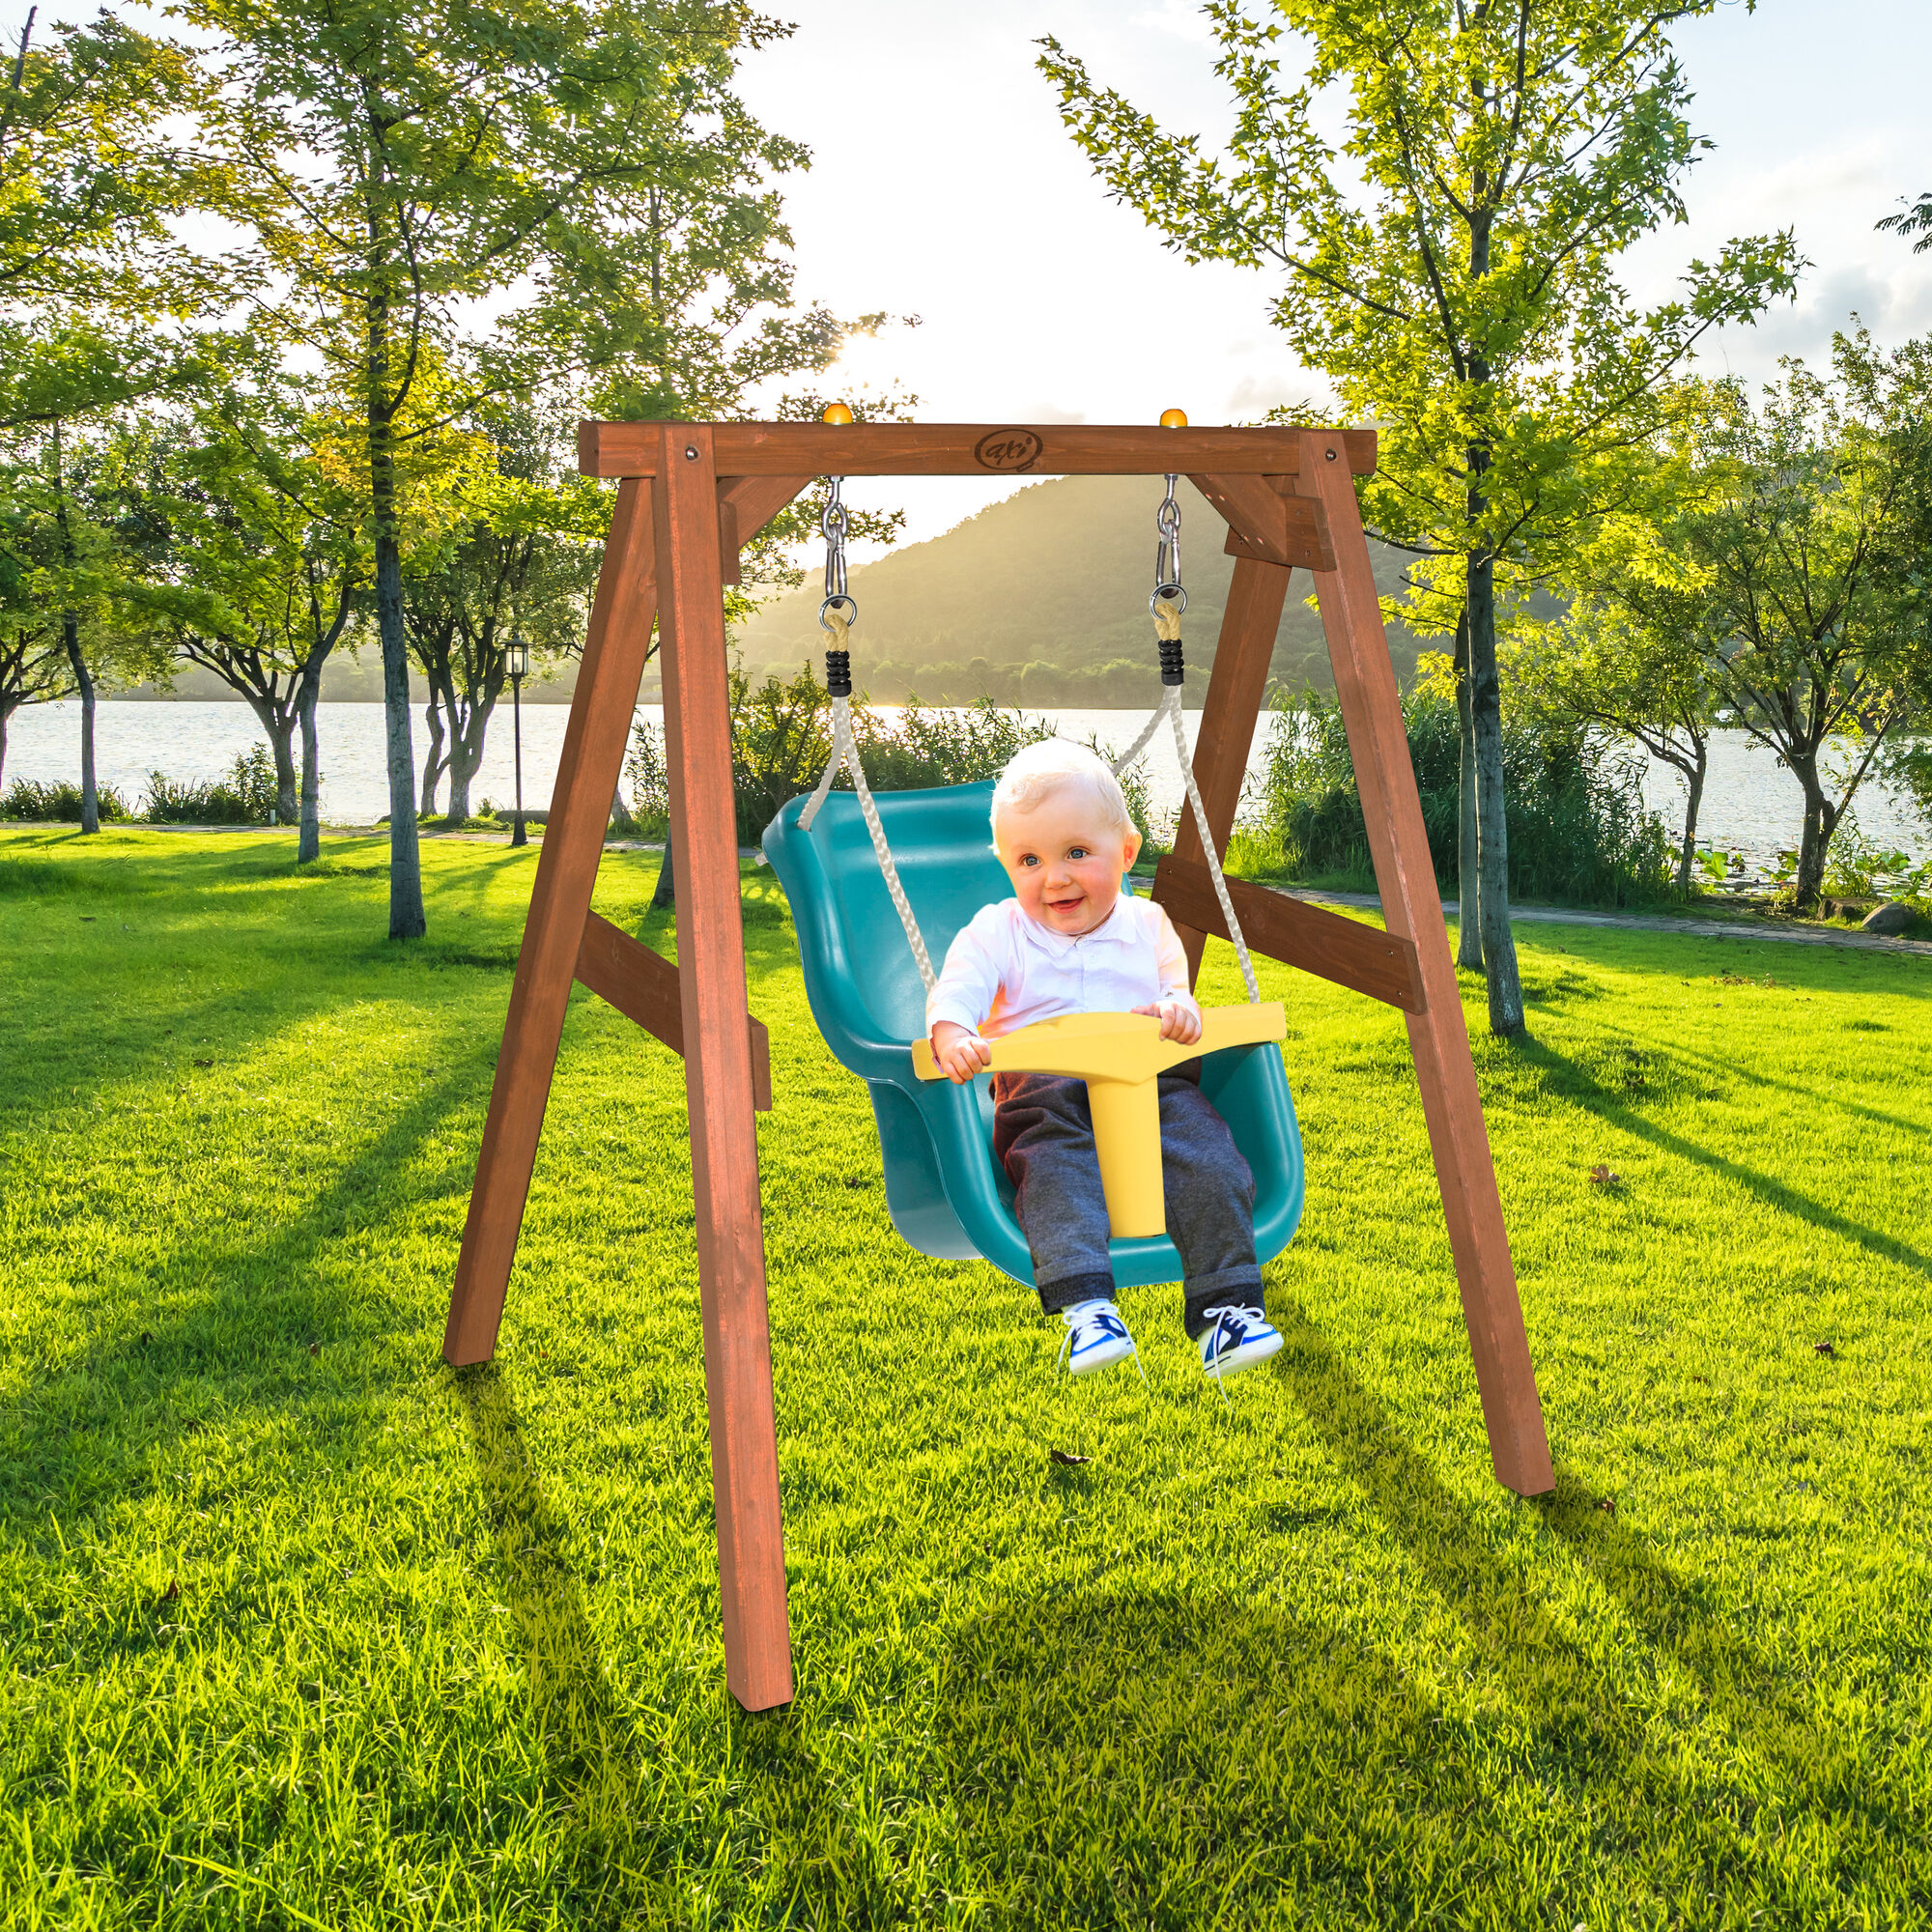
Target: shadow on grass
1568 1077
1178 1760
257 1302
1763 1762
586 1739
1162 1759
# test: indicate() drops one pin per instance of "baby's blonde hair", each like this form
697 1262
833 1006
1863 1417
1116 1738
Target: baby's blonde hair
1037 770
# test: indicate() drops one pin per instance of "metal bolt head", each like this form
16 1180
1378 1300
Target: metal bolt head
1329 454
691 450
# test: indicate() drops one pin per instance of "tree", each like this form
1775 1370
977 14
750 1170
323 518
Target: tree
1808 548
583 175
249 561
87 174
1450 267
91 179
33 665
61 558
521 558
1914 219
1630 656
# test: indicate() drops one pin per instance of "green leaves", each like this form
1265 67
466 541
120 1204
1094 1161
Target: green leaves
1449 264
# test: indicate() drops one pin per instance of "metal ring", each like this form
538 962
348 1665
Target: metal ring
1171 593
851 608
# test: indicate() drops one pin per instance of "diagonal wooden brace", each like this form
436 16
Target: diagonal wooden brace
1342 951
643 986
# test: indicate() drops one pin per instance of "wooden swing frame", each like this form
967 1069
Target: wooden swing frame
690 495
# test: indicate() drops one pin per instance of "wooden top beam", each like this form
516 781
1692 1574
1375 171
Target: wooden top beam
964 449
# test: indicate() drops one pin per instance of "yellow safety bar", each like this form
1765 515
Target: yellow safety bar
1120 1057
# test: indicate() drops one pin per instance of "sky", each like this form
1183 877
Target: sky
943 186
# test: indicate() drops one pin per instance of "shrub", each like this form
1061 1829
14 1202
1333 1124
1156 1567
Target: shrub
1857 869
1577 822
58 801
247 796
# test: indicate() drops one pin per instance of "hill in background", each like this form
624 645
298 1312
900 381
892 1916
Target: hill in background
1041 599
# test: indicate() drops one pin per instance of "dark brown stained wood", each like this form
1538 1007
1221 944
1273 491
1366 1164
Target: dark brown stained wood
1343 950
1263 523
746 504
586 779
1256 593
961 449
624 971
754 501
719 1084
1438 1036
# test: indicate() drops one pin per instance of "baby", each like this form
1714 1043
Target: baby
1069 942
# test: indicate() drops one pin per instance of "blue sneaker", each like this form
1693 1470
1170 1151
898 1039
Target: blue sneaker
1096 1338
1236 1338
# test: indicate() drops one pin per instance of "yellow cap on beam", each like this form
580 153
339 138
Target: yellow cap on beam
1174 418
838 414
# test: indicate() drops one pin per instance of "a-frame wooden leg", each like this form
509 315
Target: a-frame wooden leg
614 648
1438 1036
1256 593
718 1078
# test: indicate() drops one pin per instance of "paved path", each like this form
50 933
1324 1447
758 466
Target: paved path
1743 927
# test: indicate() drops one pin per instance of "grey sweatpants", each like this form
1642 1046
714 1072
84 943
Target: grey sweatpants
1043 1132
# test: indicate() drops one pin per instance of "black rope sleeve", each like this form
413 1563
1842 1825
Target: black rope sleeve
838 673
1173 668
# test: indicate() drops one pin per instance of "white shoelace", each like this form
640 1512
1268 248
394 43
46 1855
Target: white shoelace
1105 1317
1243 1319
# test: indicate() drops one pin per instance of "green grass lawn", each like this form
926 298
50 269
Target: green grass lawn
301 1629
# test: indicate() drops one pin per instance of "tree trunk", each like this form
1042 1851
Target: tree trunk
90 797
466 750
1468 917
461 772
308 841
1491 825
1693 779
405 899
287 803
1821 820
433 757
664 898
6 712
278 726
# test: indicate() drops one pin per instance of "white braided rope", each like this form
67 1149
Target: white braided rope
1141 743
845 752
1170 702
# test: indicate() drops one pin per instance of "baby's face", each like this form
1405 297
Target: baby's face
1064 859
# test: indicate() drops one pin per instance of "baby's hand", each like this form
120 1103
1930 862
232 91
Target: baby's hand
959 1052
1178 1021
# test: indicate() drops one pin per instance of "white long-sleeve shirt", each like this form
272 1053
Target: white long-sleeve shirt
1005 971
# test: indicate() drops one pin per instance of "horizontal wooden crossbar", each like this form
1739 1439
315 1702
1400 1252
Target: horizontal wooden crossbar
1361 957
643 986
962 450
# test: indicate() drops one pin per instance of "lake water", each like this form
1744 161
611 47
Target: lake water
1751 805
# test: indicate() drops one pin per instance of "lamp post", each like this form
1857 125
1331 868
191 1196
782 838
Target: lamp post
517 661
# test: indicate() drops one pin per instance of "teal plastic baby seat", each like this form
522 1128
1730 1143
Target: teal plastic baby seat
947 1194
